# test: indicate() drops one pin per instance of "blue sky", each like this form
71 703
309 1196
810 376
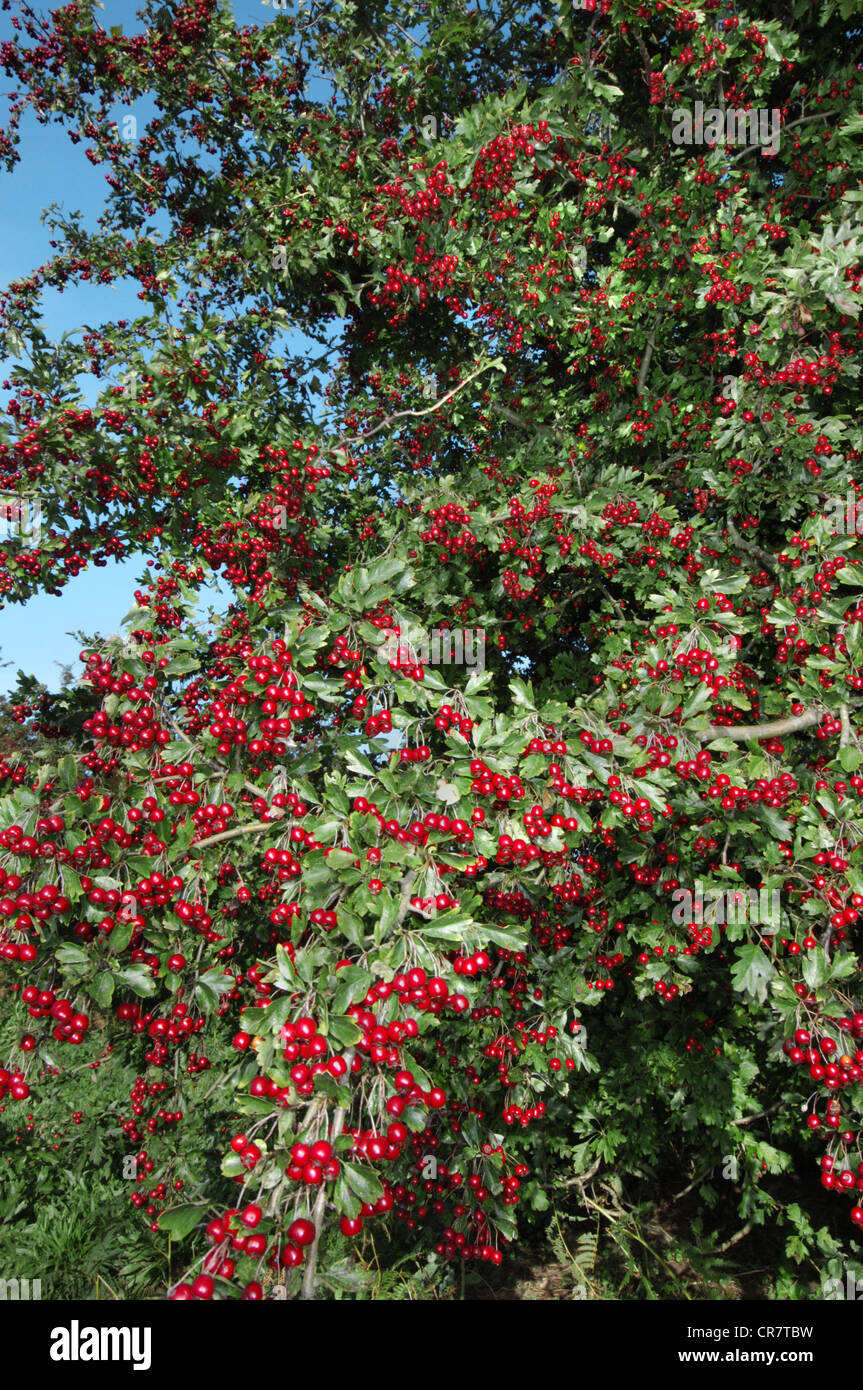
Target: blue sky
33 636
37 636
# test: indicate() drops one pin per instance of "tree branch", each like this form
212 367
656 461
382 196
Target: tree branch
405 900
750 1119
522 424
651 344
584 1178
740 733
768 560
251 829
645 58
738 1235
403 414
308 1289
802 120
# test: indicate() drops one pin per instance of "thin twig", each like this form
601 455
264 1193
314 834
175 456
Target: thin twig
803 120
684 1191
750 1119
738 1235
403 414
645 58
405 900
584 1178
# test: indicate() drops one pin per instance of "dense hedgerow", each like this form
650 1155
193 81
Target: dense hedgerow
326 961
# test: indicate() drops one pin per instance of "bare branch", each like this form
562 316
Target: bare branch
522 424
803 120
404 414
740 733
768 560
651 344
750 1119
738 1235
645 58
251 829
584 1178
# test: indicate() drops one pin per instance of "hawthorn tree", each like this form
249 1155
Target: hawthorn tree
441 329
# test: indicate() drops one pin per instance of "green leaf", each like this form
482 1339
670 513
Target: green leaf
513 938
522 694
101 988
448 793
207 998
781 829
138 978
363 1182
68 770
448 926
345 1031
182 665
352 984
181 1220
816 967
358 762
73 956
340 859
337 799
350 926
121 935
752 971
385 569
345 1200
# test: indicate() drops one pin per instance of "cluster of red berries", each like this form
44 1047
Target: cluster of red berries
835 1069
666 991
831 1063
249 1153
417 831
351 1226
516 1115
415 755
380 723
141 1092
13 1084
164 1031
407 665
843 1180
472 965
519 852
313 1164
440 902
486 783
799 372
448 719
236 1232
156 1197
69 1026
